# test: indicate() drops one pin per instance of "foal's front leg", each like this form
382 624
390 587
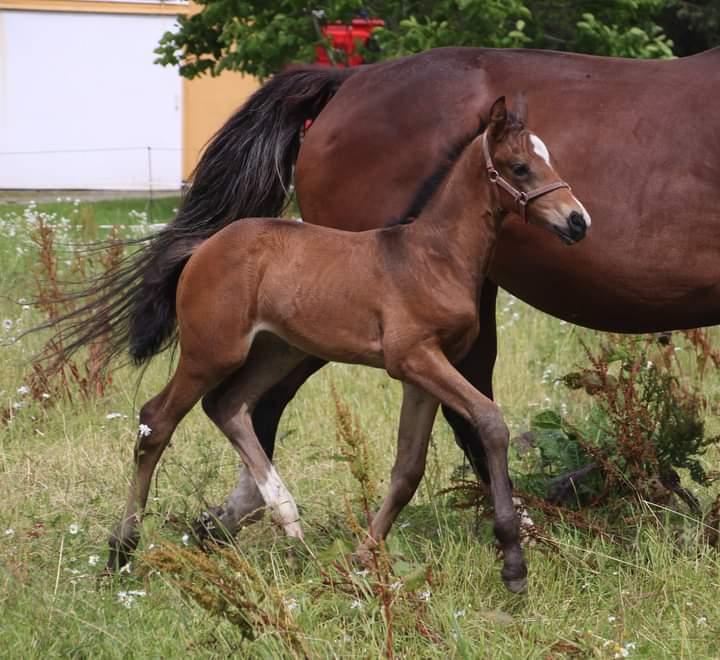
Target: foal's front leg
416 421
428 368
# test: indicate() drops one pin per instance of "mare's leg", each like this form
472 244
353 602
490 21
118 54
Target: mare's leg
245 505
270 407
416 420
477 367
230 407
158 419
429 369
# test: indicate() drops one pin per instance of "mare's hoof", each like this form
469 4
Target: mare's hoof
362 558
118 557
208 528
517 586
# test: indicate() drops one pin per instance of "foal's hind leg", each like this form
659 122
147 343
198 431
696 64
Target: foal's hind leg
230 406
158 419
416 420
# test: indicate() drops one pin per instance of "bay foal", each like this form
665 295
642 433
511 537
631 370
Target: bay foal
257 298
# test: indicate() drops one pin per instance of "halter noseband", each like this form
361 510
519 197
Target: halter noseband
522 199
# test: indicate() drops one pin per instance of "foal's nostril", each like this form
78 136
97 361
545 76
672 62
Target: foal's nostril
577 224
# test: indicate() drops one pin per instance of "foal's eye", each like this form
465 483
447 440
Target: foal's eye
520 169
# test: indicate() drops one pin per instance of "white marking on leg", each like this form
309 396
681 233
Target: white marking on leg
279 499
539 148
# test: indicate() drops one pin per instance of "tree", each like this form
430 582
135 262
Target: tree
260 38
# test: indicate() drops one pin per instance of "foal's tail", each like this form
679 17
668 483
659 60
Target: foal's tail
245 171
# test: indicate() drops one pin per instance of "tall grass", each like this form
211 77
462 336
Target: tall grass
64 471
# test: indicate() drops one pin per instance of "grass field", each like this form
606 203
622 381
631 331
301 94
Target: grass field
64 472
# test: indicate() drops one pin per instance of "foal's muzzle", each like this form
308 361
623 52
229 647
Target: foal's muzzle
577 226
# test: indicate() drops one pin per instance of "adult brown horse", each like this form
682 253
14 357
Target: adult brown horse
647 165
257 298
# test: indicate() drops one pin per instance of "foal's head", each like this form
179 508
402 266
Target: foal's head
519 163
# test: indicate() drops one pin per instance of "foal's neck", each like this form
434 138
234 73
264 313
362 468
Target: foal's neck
460 224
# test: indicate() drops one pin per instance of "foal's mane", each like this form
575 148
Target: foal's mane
429 186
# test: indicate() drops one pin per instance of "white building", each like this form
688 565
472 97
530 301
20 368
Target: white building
83 106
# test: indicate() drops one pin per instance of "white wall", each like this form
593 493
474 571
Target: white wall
81 101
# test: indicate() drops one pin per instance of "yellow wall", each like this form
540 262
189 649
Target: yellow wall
207 101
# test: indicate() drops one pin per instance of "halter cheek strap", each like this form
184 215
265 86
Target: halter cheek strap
521 199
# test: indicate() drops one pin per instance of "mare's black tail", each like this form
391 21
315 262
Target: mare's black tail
245 171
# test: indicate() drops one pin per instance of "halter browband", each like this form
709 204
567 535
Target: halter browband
522 199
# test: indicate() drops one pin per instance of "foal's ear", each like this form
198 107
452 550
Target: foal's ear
498 119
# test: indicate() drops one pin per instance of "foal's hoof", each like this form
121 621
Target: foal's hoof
517 586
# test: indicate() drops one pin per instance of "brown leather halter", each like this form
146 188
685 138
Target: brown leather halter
522 199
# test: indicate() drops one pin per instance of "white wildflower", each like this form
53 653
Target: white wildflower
113 415
459 613
290 603
356 605
45 395
396 586
127 598
74 528
186 539
9 531
23 390
93 560
144 430
127 568
624 650
612 619
702 621
425 595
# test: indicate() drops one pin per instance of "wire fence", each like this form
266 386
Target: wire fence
64 168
